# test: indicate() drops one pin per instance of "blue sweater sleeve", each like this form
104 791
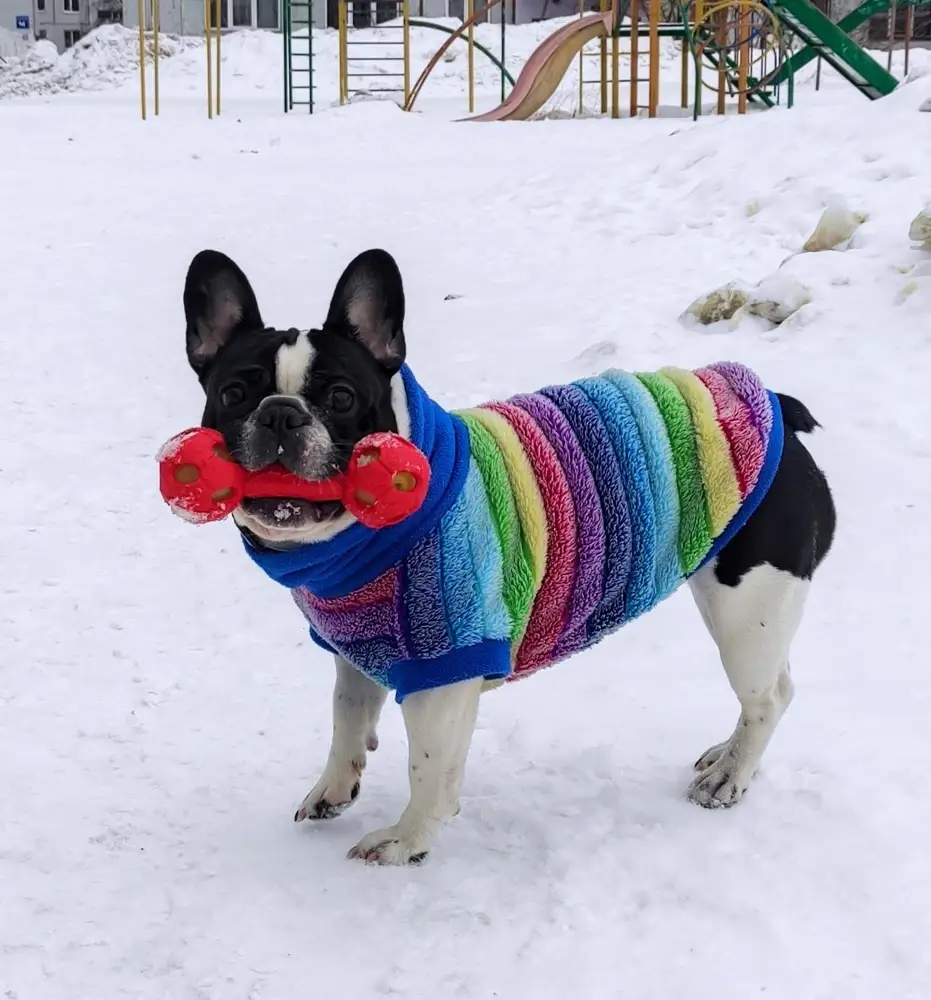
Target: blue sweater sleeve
490 659
321 642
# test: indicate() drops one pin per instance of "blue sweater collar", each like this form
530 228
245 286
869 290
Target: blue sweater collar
359 555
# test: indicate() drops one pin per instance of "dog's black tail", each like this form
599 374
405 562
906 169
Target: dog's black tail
795 415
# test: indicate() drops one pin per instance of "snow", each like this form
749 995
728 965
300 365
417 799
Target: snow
161 709
12 44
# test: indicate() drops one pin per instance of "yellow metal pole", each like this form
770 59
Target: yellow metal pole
634 56
208 18
615 76
343 81
218 19
140 13
156 18
581 64
470 43
743 57
407 49
653 83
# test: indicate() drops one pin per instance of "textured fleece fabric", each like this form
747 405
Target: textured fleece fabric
551 520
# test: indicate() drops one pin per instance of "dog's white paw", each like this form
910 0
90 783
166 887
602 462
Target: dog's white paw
711 756
721 783
391 846
334 793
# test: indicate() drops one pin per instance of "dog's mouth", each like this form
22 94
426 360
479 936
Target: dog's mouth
290 514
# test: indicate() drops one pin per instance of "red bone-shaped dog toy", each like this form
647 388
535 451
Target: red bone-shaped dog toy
386 479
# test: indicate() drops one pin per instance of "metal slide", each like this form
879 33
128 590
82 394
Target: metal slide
546 67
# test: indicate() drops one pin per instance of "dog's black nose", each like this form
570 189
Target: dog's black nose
283 415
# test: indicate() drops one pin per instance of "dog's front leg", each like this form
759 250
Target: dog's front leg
440 723
357 704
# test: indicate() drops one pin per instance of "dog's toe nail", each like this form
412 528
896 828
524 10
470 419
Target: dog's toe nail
299 815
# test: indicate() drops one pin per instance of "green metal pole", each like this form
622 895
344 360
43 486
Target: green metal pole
285 33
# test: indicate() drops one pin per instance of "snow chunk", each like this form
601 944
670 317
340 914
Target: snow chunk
835 228
920 229
774 299
12 45
778 297
718 305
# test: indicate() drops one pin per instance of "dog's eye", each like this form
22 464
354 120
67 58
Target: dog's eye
232 395
342 399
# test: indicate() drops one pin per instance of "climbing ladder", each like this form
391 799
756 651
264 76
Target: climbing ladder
298 54
370 61
830 41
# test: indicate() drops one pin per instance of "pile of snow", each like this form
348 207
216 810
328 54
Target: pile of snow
11 45
103 59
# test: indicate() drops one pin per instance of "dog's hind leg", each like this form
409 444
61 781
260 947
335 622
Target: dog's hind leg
753 625
357 704
751 598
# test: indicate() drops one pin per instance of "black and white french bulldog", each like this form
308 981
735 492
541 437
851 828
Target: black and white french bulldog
304 398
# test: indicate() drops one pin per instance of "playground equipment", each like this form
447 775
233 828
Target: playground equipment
732 36
298 36
212 45
547 66
831 43
467 31
727 34
746 44
348 64
474 47
848 24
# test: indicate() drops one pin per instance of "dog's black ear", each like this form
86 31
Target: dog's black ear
369 304
218 301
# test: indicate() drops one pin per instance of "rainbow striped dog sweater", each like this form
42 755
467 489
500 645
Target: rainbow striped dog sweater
552 519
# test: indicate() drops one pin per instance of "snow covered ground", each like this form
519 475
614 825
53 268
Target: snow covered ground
161 711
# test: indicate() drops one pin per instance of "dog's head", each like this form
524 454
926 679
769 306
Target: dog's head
303 398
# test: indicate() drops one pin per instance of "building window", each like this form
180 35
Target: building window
266 14
72 7
40 5
41 35
223 8
71 38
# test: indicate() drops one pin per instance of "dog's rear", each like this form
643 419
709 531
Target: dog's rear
751 599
